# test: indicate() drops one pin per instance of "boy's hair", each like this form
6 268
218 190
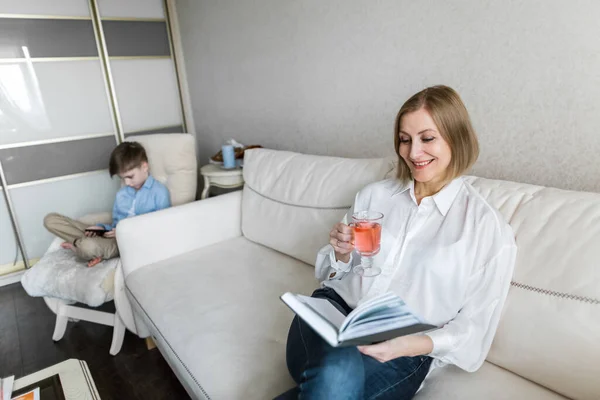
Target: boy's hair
125 157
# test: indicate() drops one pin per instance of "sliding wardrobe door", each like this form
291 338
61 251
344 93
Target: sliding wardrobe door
76 78
142 66
10 256
57 127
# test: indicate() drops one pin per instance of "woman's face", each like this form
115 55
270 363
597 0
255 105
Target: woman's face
423 148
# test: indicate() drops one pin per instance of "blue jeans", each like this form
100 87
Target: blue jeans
325 372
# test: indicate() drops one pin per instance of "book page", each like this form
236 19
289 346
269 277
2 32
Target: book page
325 309
387 312
377 326
371 307
323 321
382 315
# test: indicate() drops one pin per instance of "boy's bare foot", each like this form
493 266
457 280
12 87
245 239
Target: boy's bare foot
94 261
67 245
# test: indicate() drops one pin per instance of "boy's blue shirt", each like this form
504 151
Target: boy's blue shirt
152 196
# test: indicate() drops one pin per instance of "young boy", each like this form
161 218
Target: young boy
140 195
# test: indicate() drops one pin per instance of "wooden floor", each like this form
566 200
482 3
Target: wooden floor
26 346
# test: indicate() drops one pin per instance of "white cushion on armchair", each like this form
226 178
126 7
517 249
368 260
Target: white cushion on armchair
54 274
61 274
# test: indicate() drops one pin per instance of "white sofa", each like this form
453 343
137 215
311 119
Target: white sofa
204 280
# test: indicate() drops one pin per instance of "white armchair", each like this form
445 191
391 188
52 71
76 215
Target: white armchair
172 159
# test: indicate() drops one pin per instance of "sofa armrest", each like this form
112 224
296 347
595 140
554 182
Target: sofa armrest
164 234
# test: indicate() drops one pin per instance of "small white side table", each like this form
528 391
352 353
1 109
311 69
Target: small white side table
214 175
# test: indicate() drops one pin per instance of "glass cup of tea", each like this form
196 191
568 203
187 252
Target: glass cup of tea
366 238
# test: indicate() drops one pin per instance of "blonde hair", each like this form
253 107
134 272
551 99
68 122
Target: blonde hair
452 119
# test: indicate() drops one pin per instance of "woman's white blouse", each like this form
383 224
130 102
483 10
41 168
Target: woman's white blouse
451 259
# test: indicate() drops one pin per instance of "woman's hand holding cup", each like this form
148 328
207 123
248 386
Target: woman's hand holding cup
340 238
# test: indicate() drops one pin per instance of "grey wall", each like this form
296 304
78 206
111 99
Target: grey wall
328 77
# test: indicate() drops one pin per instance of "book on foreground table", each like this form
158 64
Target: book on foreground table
381 318
31 395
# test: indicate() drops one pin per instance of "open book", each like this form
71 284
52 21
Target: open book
381 318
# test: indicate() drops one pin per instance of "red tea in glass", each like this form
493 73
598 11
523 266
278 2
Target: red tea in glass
367 237
366 228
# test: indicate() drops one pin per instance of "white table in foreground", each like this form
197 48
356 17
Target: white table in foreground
75 379
215 175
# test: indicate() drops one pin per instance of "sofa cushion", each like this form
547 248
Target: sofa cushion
173 160
489 382
292 207
215 311
550 321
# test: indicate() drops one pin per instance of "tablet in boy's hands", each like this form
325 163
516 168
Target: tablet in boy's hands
99 231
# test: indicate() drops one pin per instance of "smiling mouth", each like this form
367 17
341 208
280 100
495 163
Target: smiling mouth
422 164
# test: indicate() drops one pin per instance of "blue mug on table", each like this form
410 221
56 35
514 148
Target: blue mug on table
228 156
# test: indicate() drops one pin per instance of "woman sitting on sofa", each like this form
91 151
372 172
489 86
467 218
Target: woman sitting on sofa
445 251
